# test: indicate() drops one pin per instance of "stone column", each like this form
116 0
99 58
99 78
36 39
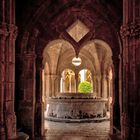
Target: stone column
47 85
27 105
52 89
104 86
3 34
130 33
98 86
25 82
63 85
10 82
108 92
57 85
115 106
76 79
7 63
70 86
73 84
94 85
131 80
39 107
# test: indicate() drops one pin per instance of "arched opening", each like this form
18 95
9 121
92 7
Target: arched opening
96 55
65 77
99 56
85 75
67 83
54 53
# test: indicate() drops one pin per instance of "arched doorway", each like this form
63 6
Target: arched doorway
53 26
68 83
96 67
85 75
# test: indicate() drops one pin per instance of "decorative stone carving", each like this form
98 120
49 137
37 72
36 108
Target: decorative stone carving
77 30
76 106
13 31
130 30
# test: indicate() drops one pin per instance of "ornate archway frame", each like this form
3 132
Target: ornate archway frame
55 28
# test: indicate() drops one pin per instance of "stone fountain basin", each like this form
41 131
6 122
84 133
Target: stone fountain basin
76 107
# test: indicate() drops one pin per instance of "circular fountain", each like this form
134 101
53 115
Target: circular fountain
76 107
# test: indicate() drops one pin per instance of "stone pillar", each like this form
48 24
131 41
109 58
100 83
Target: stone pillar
26 108
77 82
57 85
8 33
26 79
39 109
130 33
104 86
63 85
47 85
70 84
3 34
98 86
10 82
109 96
115 106
53 84
73 84
94 85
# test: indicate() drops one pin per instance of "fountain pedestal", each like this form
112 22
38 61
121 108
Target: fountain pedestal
72 107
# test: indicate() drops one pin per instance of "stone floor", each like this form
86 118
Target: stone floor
77 131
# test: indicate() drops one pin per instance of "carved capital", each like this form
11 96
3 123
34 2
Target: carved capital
130 30
13 31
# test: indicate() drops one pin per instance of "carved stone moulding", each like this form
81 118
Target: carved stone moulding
13 30
130 30
76 108
8 29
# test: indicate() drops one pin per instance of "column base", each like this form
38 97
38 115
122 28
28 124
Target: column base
11 125
20 136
